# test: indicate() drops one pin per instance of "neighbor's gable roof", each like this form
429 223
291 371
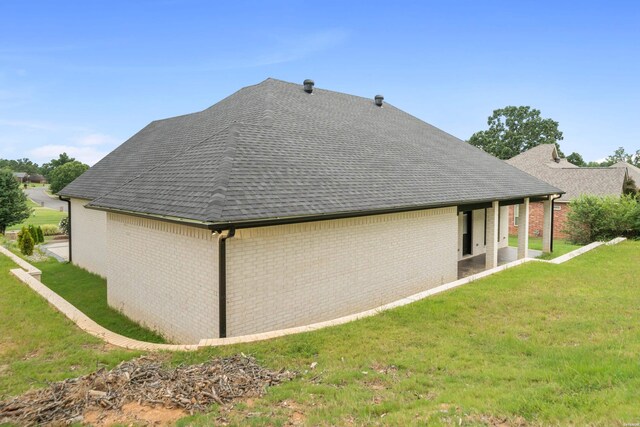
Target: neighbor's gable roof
274 151
633 171
544 163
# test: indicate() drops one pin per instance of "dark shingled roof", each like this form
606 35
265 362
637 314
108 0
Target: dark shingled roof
544 162
273 151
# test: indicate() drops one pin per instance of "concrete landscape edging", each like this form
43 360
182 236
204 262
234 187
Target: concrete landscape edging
27 274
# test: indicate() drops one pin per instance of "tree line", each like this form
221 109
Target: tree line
514 130
58 172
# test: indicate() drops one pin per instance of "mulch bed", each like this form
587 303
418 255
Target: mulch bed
144 381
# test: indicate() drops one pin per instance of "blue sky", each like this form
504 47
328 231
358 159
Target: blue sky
83 76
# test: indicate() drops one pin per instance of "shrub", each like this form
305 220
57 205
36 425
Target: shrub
26 242
64 225
21 234
33 232
40 234
50 229
594 218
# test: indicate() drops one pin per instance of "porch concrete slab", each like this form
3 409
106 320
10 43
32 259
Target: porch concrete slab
477 264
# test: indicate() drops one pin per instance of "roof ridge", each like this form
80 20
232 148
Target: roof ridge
179 153
218 199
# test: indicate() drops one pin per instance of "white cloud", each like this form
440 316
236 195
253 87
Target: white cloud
86 154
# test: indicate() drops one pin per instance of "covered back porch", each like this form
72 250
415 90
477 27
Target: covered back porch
483 234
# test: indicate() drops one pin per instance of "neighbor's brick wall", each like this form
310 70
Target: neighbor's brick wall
164 276
536 215
89 237
291 275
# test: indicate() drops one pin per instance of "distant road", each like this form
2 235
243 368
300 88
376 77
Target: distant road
38 195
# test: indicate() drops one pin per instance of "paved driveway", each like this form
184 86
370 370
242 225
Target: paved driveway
38 195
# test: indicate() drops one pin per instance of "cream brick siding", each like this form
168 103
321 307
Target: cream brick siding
285 276
89 237
164 276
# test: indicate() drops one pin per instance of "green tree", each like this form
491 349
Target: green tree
63 175
595 165
13 202
47 168
620 155
513 130
576 159
20 165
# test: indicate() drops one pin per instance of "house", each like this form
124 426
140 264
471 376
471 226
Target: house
21 177
543 162
632 171
37 178
284 205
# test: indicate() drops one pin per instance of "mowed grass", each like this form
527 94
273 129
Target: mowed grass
40 216
88 292
38 344
542 344
560 246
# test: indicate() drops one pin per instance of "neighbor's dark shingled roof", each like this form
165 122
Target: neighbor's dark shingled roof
544 163
272 150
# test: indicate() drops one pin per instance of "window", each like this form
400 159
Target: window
516 214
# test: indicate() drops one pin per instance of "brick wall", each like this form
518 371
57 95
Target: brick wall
164 276
89 237
285 276
536 215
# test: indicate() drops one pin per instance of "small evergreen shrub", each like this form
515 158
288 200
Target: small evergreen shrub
593 218
34 233
21 235
40 234
26 242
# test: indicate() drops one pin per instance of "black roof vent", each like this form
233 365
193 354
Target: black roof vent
308 85
379 99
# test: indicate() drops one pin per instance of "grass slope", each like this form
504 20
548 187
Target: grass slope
88 292
544 343
38 344
552 344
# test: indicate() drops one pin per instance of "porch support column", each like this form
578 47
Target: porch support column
492 235
523 229
546 226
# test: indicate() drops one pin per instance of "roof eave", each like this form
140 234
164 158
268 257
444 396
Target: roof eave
271 221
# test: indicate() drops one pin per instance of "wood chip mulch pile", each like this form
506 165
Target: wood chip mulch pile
145 381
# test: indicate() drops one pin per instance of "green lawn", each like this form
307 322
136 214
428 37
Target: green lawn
38 344
539 343
560 246
40 216
88 292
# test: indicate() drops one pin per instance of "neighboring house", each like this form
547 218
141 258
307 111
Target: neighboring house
543 162
37 178
632 171
284 205
21 177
